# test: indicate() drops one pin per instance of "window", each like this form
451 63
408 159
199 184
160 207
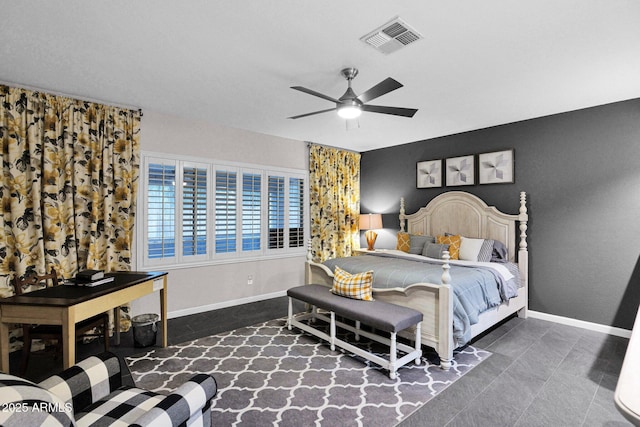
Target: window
276 212
296 212
219 213
161 211
225 231
194 211
251 211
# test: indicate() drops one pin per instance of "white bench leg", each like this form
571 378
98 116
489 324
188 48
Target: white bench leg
290 316
357 330
392 357
418 344
314 310
332 331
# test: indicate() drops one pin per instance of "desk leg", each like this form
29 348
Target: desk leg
163 310
116 325
68 341
4 347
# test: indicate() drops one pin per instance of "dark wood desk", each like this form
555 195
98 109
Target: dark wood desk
67 305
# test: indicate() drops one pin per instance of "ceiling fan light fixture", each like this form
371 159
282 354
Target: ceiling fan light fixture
349 111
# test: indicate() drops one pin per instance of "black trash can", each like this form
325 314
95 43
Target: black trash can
145 329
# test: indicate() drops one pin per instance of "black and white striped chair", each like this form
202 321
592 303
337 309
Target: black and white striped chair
92 392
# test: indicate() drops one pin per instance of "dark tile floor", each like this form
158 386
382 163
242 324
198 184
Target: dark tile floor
540 373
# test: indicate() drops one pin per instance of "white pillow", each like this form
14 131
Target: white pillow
470 248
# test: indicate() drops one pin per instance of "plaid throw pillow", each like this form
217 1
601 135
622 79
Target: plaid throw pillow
356 286
453 242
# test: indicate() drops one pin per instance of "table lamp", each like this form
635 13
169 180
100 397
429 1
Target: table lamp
370 222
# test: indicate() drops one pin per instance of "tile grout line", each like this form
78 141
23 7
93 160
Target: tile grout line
557 368
494 379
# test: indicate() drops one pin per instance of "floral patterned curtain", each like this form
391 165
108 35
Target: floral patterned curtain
335 201
68 184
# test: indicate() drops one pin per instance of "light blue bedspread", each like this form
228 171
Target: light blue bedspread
475 288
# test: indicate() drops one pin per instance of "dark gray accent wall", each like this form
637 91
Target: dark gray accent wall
581 172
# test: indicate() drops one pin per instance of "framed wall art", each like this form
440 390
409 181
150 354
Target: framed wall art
429 174
496 167
460 171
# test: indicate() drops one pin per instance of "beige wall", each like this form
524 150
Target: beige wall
192 290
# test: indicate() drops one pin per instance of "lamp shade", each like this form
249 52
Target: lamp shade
370 221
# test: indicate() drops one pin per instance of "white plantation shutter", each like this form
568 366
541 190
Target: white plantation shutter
296 212
251 211
276 212
161 211
226 214
194 211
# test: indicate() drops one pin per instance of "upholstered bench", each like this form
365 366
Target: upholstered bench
379 315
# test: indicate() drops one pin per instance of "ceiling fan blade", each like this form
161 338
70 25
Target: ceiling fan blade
311 114
314 93
396 111
384 87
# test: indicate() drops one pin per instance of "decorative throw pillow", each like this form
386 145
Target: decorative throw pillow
418 242
404 243
470 248
434 250
486 250
356 286
500 253
453 242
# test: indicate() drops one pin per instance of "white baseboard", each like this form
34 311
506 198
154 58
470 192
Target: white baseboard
624 333
225 304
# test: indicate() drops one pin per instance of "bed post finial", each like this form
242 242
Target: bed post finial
402 220
523 221
446 277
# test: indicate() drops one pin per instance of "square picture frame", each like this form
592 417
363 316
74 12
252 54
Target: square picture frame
460 171
497 167
429 174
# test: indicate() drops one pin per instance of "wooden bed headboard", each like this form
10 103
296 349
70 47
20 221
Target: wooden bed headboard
458 212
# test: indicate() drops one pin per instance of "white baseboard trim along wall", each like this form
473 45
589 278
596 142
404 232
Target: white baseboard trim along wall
624 333
225 304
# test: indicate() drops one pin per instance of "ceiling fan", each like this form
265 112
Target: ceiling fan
350 105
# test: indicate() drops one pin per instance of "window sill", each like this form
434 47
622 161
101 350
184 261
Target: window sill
213 263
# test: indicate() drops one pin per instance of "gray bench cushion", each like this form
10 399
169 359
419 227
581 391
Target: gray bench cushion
381 315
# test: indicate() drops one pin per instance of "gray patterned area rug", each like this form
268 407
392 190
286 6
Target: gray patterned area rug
268 375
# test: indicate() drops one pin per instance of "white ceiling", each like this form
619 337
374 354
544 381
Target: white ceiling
481 63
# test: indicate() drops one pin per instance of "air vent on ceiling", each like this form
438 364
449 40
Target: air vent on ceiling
392 36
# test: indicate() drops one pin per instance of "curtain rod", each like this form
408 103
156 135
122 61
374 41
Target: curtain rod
309 144
66 95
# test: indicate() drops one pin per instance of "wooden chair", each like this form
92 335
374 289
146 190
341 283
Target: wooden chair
54 332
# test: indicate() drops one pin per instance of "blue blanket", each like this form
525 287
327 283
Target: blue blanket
475 288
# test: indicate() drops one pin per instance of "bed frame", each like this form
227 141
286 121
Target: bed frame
454 212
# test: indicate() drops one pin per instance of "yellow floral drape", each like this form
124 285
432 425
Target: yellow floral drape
68 185
334 177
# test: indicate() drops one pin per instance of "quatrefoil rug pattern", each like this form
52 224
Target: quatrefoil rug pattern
268 375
